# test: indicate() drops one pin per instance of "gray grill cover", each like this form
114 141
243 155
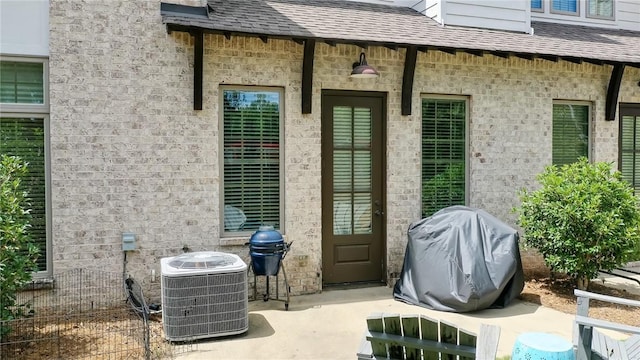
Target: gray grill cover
460 259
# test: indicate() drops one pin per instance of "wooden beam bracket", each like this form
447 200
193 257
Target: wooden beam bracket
198 59
613 90
307 75
407 78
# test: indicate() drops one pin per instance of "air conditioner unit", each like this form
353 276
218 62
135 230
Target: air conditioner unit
204 294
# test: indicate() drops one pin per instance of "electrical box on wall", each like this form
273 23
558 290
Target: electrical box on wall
128 241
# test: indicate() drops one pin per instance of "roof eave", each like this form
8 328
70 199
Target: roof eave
180 27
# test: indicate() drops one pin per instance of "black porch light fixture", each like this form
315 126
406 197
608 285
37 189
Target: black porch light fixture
362 70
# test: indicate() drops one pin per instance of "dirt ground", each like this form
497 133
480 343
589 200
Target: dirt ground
558 294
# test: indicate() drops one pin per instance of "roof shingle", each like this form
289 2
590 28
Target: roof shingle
343 21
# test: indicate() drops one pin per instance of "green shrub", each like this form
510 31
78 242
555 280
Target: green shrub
584 218
17 254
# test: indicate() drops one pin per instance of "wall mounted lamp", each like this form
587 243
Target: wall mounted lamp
362 70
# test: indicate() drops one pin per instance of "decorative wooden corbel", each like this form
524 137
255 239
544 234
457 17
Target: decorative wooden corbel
407 79
613 90
307 75
198 59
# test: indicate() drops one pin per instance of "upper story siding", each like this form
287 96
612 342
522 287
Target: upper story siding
628 14
490 14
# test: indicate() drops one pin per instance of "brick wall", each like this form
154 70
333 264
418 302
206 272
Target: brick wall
129 153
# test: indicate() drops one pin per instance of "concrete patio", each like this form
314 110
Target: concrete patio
330 325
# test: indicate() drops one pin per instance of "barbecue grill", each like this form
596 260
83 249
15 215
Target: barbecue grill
268 250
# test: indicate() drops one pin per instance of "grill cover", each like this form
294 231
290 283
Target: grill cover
460 259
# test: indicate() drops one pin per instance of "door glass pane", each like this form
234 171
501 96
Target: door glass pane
362 127
342 174
342 214
362 213
352 160
342 135
362 171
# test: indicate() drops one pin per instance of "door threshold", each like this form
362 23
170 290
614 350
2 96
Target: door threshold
353 285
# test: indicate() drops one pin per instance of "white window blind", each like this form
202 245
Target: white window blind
570 139
252 155
569 6
443 154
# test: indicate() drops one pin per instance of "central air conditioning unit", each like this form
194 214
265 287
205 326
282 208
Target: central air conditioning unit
204 294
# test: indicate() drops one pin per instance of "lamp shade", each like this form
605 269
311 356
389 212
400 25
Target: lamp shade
362 70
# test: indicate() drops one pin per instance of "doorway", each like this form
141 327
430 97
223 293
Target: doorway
353 199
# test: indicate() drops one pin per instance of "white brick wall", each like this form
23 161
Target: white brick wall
129 153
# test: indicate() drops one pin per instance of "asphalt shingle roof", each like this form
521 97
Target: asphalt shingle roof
355 22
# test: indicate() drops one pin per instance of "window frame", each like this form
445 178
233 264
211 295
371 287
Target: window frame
634 110
47 191
467 137
281 155
24 110
613 12
540 9
561 12
24 107
590 121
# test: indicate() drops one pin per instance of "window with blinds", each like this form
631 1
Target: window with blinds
536 5
21 82
570 139
630 150
444 123
24 137
23 127
565 6
600 9
252 157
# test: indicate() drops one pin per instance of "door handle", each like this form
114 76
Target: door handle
379 213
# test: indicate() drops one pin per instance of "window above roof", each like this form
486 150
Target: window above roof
603 9
537 5
565 7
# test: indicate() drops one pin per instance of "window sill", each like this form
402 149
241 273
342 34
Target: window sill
39 284
235 241
239 240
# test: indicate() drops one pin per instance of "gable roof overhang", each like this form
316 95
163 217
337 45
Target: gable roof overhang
364 24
